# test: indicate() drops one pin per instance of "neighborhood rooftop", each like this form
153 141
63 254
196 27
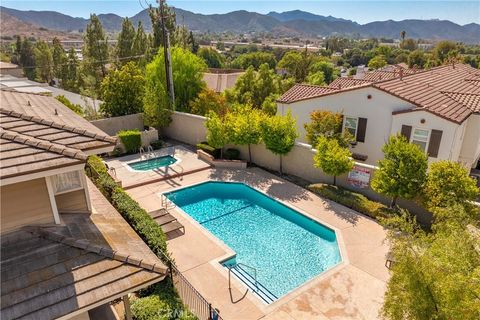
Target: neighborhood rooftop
451 91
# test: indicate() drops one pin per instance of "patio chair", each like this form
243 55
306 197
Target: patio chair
167 222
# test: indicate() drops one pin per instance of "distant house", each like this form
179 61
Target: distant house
438 109
219 80
65 251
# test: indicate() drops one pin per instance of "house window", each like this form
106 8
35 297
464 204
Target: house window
65 182
420 138
351 125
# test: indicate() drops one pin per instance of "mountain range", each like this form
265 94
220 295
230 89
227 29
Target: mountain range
290 23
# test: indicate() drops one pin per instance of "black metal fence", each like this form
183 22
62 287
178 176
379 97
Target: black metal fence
195 302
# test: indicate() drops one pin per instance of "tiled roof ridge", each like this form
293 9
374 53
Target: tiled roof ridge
313 86
86 245
57 125
43 144
461 92
28 93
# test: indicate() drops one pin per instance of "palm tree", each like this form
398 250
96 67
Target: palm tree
403 34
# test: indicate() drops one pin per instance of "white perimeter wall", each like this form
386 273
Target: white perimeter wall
190 129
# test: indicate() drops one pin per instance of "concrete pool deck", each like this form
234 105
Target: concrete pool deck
352 290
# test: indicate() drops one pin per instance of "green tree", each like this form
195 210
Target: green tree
254 59
95 52
269 105
125 40
245 127
332 158
211 57
416 59
43 61
408 44
279 134
74 107
70 77
26 57
122 91
316 78
217 131
436 275
140 45
59 58
327 124
208 100
187 70
447 184
296 64
329 71
444 49
170 24
377 62
402 172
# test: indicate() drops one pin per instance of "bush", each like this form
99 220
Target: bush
157 144
353 200
74 107
131 139
209 149
232 154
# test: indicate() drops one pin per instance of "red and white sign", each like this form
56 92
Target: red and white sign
359 177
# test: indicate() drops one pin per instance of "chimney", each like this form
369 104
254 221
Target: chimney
401 74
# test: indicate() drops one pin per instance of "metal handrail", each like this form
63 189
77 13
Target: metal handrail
241 264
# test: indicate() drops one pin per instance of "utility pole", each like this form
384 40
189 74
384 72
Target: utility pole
167 55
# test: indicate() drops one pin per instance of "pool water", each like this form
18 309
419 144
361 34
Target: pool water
285 247
153 163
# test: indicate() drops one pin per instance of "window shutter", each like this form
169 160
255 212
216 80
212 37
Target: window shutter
406 131
361 129
342 126
434 145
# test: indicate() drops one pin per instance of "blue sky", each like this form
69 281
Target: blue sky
458 11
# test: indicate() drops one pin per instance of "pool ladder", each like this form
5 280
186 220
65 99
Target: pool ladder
250 281
165 203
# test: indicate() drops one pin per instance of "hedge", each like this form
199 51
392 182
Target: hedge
150 232
353 200
209 149
131 139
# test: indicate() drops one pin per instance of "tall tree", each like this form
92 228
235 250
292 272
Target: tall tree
332 158
279 134
122 91
141 45
27 58
445 49
208 100
403 170
71 74
95 52
217 132
327 68
403 33
187 70
170 23
125 40
59 57
211 57
325 124
297 64
43 61
194 46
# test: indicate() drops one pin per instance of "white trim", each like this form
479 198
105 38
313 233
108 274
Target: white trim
53 203
69 190
41 174
356 126
429 131
83 180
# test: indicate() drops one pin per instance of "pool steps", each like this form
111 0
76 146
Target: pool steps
264 294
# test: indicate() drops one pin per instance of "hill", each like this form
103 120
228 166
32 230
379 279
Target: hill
290 23
12 26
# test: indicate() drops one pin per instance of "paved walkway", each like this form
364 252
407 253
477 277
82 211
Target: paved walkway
352 290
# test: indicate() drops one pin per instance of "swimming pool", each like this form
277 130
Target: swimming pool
152 163
275 245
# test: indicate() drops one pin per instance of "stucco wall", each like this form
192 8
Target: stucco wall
186 128
112 125
25 203
470 151
378 110
218 82
451 133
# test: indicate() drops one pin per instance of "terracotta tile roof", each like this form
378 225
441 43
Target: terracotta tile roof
450 92
43 121
304 91
22 154
51 271
347 82
443 90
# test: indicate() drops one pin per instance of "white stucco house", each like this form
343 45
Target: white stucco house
437 109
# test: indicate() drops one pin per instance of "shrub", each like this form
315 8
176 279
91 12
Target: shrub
74 107
353 200
209 149
157 144
131 139
232 154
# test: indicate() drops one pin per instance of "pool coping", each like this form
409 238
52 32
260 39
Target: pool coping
230 253
126 164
